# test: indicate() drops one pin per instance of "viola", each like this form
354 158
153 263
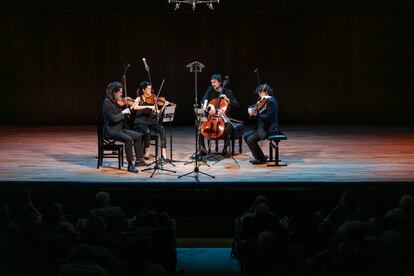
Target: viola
214 127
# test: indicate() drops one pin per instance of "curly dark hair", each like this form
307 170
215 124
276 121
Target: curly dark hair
112 88
264 87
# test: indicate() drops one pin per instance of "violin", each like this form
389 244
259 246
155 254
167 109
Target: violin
260 104
214 127
125 102
161 101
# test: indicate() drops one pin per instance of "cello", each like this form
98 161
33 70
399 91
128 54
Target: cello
214 127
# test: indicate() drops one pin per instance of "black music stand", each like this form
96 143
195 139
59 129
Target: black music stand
199 112
168 117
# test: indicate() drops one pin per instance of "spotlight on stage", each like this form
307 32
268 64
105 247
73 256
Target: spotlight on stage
194 3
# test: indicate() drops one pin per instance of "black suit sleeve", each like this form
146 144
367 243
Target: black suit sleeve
270 109
233 100
109 111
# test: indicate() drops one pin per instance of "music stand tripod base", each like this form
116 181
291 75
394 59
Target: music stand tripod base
157 167
196 171
192 157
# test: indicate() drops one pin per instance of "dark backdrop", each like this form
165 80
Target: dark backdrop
335 61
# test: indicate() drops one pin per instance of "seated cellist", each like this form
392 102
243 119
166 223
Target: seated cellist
214 92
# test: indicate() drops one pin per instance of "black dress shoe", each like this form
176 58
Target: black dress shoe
226 153
131 168
140 162
257 162
202 152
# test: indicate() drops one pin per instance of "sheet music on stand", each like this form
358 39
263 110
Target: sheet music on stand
169 113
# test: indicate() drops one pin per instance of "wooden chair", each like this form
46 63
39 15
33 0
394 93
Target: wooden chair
108 148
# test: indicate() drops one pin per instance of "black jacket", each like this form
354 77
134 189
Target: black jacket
210 94
113 119
144 116
268 117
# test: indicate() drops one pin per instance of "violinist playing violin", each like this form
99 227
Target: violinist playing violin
265 111
115 127
145 118
216 91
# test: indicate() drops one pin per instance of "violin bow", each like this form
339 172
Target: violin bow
158 94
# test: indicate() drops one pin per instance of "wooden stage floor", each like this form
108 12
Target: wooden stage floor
314 154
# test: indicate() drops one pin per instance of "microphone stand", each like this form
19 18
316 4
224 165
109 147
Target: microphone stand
126 66
196 67
147 69
257 75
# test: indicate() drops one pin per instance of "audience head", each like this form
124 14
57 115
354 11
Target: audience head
407 203
266 240
260 199
350 200
262 209
102 199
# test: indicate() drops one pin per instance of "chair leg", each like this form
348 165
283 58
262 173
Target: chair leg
270 151
98 159
216 145
277 154
232 145
275 145
101 159
119 158
240 145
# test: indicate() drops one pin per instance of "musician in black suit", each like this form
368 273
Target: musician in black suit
115 127
213 92
266 122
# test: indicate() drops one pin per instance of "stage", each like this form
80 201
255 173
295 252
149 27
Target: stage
64 156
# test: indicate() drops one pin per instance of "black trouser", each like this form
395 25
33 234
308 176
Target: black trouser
252 138
228 132
146 129
129 138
